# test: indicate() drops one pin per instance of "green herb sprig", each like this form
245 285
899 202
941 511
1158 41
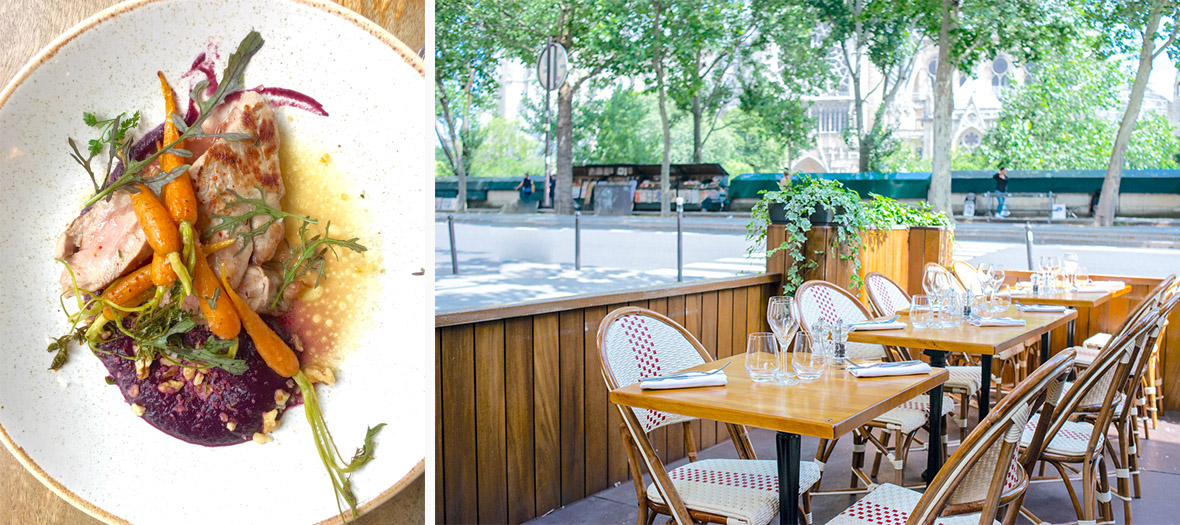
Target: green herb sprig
311 257
112 136
258 208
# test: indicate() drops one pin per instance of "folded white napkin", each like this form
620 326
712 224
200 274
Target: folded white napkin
997 321
1012 292
691 380
1110 285
1093 287
882 371
860 327
1040 308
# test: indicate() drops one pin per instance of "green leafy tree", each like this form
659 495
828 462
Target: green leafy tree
465 61
778 112
1146 28
506 151
967 31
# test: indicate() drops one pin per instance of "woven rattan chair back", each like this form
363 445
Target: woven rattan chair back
885 296
984 473
823 300
968 275
950 276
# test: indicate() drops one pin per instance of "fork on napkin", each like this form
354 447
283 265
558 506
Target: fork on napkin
1041 308
685 380
996 321
890 369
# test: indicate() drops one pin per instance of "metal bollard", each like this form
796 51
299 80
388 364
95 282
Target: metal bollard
454 255
679 239
1028 244
577 240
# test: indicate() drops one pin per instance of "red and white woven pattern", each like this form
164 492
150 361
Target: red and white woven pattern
964 379
889 504
1096 341
886 295
1072 440
820 301
914 413
639 347
744 490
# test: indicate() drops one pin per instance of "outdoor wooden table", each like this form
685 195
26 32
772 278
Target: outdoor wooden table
1090 300
827 408
984 341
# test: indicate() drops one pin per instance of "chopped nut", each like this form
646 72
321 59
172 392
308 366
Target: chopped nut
143 367
281 397
189 373
133 391
136 409
268 421
261 438
231 425
199 378
298 342
170 387
320 374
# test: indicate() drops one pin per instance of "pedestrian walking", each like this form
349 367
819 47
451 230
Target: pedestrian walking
1001 178
525 187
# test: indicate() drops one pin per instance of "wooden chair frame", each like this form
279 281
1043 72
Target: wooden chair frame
639 447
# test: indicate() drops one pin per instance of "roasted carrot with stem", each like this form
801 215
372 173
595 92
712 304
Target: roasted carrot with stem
279 357
179 196
220 314
130 290
161 232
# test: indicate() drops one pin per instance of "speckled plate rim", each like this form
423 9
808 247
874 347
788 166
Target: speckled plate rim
47 53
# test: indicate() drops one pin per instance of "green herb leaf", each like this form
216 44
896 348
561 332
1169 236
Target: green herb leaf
213 300
365 452
311 257
258 208
89 119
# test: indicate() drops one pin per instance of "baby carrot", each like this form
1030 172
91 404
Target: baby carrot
274 351
162 274
130 290
178 194
223 320
161 232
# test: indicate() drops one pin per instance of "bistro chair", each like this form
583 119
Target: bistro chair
823 300
968 276
886 298
635 344
982 475
1077 436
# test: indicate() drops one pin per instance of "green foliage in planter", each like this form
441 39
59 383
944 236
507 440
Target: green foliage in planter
885 213
800 199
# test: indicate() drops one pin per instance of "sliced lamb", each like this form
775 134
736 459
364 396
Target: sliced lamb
103 244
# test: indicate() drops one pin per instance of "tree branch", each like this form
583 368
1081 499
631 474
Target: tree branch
1168 42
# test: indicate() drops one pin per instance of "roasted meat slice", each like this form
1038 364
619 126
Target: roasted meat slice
249 168
102 244
260 285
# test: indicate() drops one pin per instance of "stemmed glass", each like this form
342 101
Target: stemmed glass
984 274
1069 263
784 322
997 279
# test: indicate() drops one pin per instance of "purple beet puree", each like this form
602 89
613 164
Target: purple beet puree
199 413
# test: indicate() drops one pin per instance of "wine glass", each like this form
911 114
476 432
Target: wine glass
807 357
997 277
781 315
934 281
984 275
762 357
1081 276
1069 263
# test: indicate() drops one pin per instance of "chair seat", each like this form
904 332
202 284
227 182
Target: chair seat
1072 440
1086 355
964 379
914 413
889 504
745 491
1096 341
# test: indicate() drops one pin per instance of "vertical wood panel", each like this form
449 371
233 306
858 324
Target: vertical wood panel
692 323
617 467
573 405
547 412
518 343
490 450
597 406
439 488
676 432
709 338
725 324
458 385
1170 365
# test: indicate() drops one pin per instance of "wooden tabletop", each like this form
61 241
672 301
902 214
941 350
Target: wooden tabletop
26 26
1073 299
980 340
829 407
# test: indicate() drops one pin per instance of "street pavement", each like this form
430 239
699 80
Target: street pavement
505 259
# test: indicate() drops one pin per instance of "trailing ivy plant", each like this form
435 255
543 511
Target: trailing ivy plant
801 198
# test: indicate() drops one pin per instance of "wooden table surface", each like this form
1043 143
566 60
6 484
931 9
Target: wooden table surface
979 340
829 407
26 26
1073 299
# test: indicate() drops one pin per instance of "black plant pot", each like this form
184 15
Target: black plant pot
778 213
823 216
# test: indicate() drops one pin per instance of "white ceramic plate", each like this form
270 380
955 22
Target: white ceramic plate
75 432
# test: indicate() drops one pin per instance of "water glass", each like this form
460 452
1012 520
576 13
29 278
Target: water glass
979 306
1069 263
1001 303
762 357
1081 276
807 357
950 311
921 311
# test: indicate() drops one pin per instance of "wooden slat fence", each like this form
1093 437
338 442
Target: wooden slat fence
522 421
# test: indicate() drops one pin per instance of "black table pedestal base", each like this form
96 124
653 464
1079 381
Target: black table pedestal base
787 445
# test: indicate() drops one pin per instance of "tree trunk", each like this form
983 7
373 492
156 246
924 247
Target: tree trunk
944 103
697 110
658 64
864 145
1109 198
565 151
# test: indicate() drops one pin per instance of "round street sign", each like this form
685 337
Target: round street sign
552 66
